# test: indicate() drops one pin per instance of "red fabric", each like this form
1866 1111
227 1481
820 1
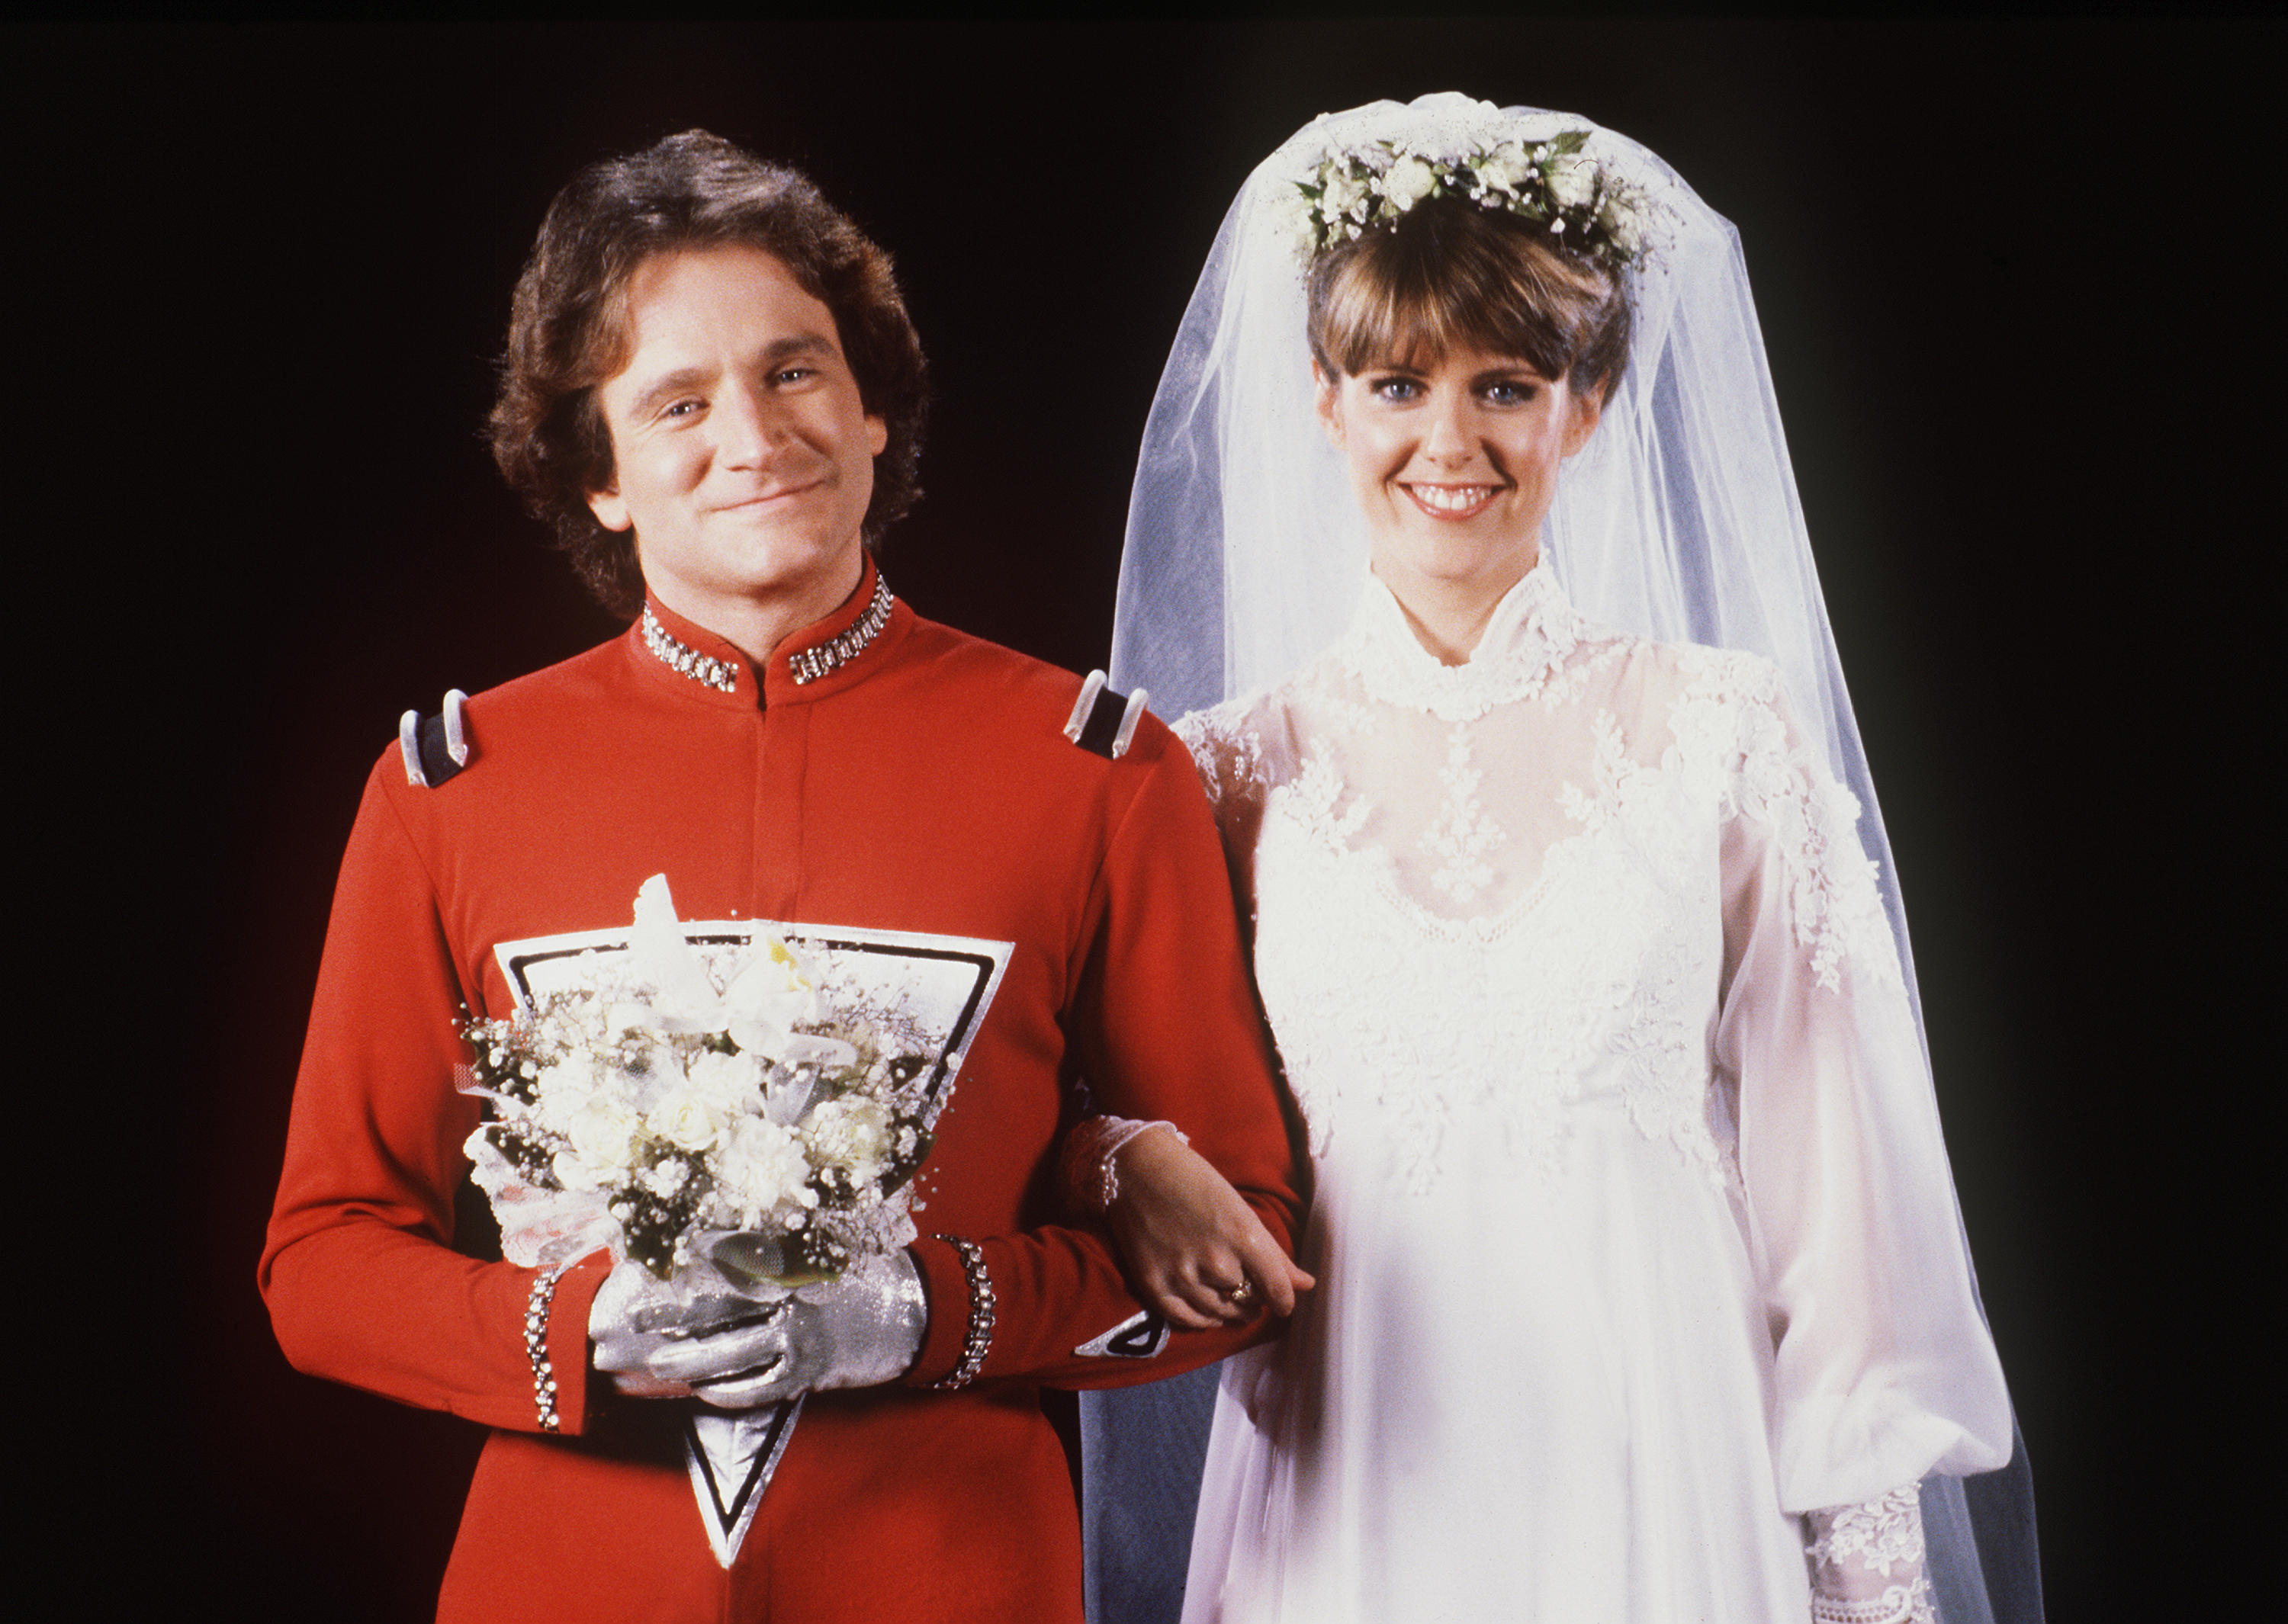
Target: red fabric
927 786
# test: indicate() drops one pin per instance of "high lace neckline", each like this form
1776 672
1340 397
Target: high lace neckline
1527 638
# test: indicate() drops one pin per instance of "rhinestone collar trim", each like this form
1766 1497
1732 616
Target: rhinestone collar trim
807 667
848 645
722 675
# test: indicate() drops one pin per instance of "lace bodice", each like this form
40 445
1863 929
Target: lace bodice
1588 880
1504 887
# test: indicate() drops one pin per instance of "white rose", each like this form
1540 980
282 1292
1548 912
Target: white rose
762 1167
1506 168
1341 192
688 1118
1408 182
1623 223
853 1134
1572 180
603 1135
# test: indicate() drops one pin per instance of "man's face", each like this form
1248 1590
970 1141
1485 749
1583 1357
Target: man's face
744 458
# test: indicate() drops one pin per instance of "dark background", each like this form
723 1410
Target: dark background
2016 282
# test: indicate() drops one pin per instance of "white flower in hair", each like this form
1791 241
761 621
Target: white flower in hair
1408 182
1572 180
1505 168
1344 193
1623 223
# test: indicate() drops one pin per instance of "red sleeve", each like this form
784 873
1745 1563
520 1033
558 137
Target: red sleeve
1166 1026
363 1285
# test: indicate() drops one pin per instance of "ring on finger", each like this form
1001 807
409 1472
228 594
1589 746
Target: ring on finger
1241 1295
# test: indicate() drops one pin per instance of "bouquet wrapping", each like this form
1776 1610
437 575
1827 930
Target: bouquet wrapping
737 1106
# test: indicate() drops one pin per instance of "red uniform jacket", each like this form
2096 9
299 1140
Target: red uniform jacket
927 785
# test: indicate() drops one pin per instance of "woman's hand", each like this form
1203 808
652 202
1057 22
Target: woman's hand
1196 1251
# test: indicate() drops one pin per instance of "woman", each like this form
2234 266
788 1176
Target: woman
1639 1268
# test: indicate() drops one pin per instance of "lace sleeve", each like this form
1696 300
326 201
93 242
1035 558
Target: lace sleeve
1867 1562
1227 750
1226 746
1091 1177
1883 1367
1812 821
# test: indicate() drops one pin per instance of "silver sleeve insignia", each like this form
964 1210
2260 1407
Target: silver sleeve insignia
434 748
1103 721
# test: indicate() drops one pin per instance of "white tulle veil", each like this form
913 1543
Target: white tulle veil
1680 521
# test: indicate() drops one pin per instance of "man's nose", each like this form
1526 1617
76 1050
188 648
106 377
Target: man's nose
750 424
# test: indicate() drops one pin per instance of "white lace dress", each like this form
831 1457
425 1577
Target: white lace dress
1633 1231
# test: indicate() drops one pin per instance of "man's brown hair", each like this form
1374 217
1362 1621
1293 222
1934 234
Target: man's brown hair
568 327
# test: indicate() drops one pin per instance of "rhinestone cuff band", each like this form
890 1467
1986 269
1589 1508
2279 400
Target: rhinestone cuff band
536 1345
978 1341
686 660
848 645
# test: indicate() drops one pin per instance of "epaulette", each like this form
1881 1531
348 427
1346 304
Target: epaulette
1102 720
434 748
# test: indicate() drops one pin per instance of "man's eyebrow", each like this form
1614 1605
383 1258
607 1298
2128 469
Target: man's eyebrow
798 344
665 387
795 347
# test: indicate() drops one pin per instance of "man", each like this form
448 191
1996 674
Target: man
711 388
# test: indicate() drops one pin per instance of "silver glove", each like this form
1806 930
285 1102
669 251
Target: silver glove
736 1350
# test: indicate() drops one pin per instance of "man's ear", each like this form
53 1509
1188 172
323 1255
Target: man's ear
1583 413
1331 417
878 436
610 508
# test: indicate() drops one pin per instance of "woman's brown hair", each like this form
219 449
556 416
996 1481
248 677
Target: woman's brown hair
1451 275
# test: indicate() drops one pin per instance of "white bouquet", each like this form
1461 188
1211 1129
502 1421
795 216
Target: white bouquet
738 1101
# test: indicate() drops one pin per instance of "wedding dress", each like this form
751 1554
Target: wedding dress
1637 1246
1629 1248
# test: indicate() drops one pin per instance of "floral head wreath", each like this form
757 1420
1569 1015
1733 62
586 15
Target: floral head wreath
1591 210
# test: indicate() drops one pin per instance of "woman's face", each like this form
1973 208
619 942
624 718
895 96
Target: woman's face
1454 462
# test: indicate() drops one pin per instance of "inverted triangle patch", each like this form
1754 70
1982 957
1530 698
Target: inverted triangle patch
732 1455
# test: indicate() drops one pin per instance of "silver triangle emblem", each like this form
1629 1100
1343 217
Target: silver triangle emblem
732 1455
1139 1336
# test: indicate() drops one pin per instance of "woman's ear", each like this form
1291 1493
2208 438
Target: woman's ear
1330 404
1582 412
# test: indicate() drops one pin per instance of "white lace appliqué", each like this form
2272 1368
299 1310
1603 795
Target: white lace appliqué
1493 892
1867 1562
1733 708
1463 832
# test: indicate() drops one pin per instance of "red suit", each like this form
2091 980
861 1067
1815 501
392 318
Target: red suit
925 785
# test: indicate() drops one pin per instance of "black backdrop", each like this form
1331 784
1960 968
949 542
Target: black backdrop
2005 270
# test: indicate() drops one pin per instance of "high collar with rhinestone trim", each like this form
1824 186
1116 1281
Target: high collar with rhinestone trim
805 665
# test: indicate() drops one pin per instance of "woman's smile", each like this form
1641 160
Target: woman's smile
1450 502
1454 462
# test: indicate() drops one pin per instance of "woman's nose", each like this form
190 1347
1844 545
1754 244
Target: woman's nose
1447 435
